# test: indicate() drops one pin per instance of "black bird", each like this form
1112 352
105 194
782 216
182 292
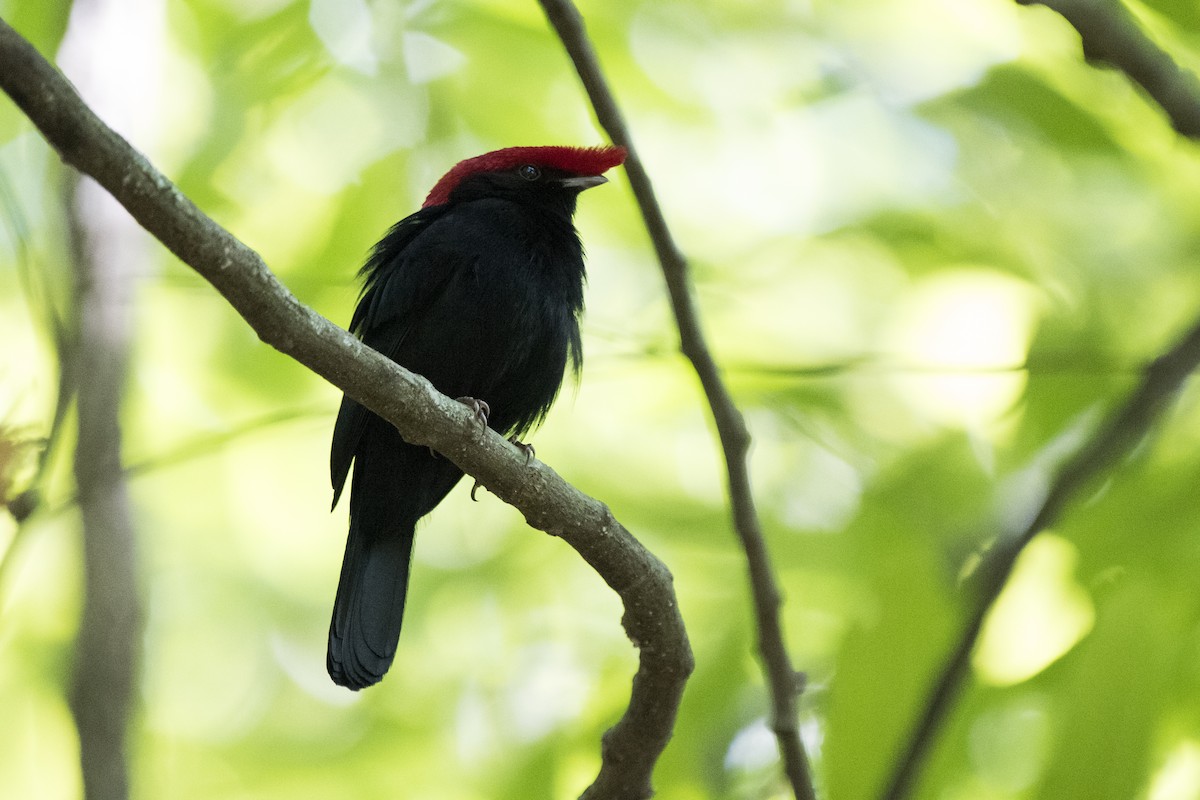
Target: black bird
480 292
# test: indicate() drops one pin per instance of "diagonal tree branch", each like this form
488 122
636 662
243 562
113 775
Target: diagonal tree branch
784 683
1111 35
1121 433
424 416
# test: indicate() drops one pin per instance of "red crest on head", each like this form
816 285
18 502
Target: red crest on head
575 160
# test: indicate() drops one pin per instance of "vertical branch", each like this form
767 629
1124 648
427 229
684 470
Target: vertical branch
110 58
782 679
106 648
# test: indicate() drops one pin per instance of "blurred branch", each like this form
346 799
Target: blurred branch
1119 435
106 252
1082 363
184 452
867 365
1110 35
424 416
107 643
216 442
784 683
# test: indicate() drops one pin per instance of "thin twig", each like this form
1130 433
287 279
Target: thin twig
63 339
422 415
1109 34
186 451
781 676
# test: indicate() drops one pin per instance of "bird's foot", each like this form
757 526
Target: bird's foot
480 408
482 411
527 449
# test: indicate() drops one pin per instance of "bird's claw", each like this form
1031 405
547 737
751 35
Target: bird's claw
479 407
527 449
482 411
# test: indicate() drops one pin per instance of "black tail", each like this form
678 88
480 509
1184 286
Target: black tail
394 485
369 607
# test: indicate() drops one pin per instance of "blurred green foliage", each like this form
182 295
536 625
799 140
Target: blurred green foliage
932 246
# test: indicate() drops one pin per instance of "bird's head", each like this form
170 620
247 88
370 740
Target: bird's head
527 172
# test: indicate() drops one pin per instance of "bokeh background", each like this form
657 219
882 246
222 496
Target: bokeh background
932 246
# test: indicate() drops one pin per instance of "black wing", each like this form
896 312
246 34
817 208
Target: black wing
396 287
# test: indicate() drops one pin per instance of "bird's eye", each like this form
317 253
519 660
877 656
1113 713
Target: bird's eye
529 172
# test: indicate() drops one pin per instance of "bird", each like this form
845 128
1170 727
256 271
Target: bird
481 292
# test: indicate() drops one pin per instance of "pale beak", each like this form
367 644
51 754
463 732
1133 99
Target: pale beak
582 182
